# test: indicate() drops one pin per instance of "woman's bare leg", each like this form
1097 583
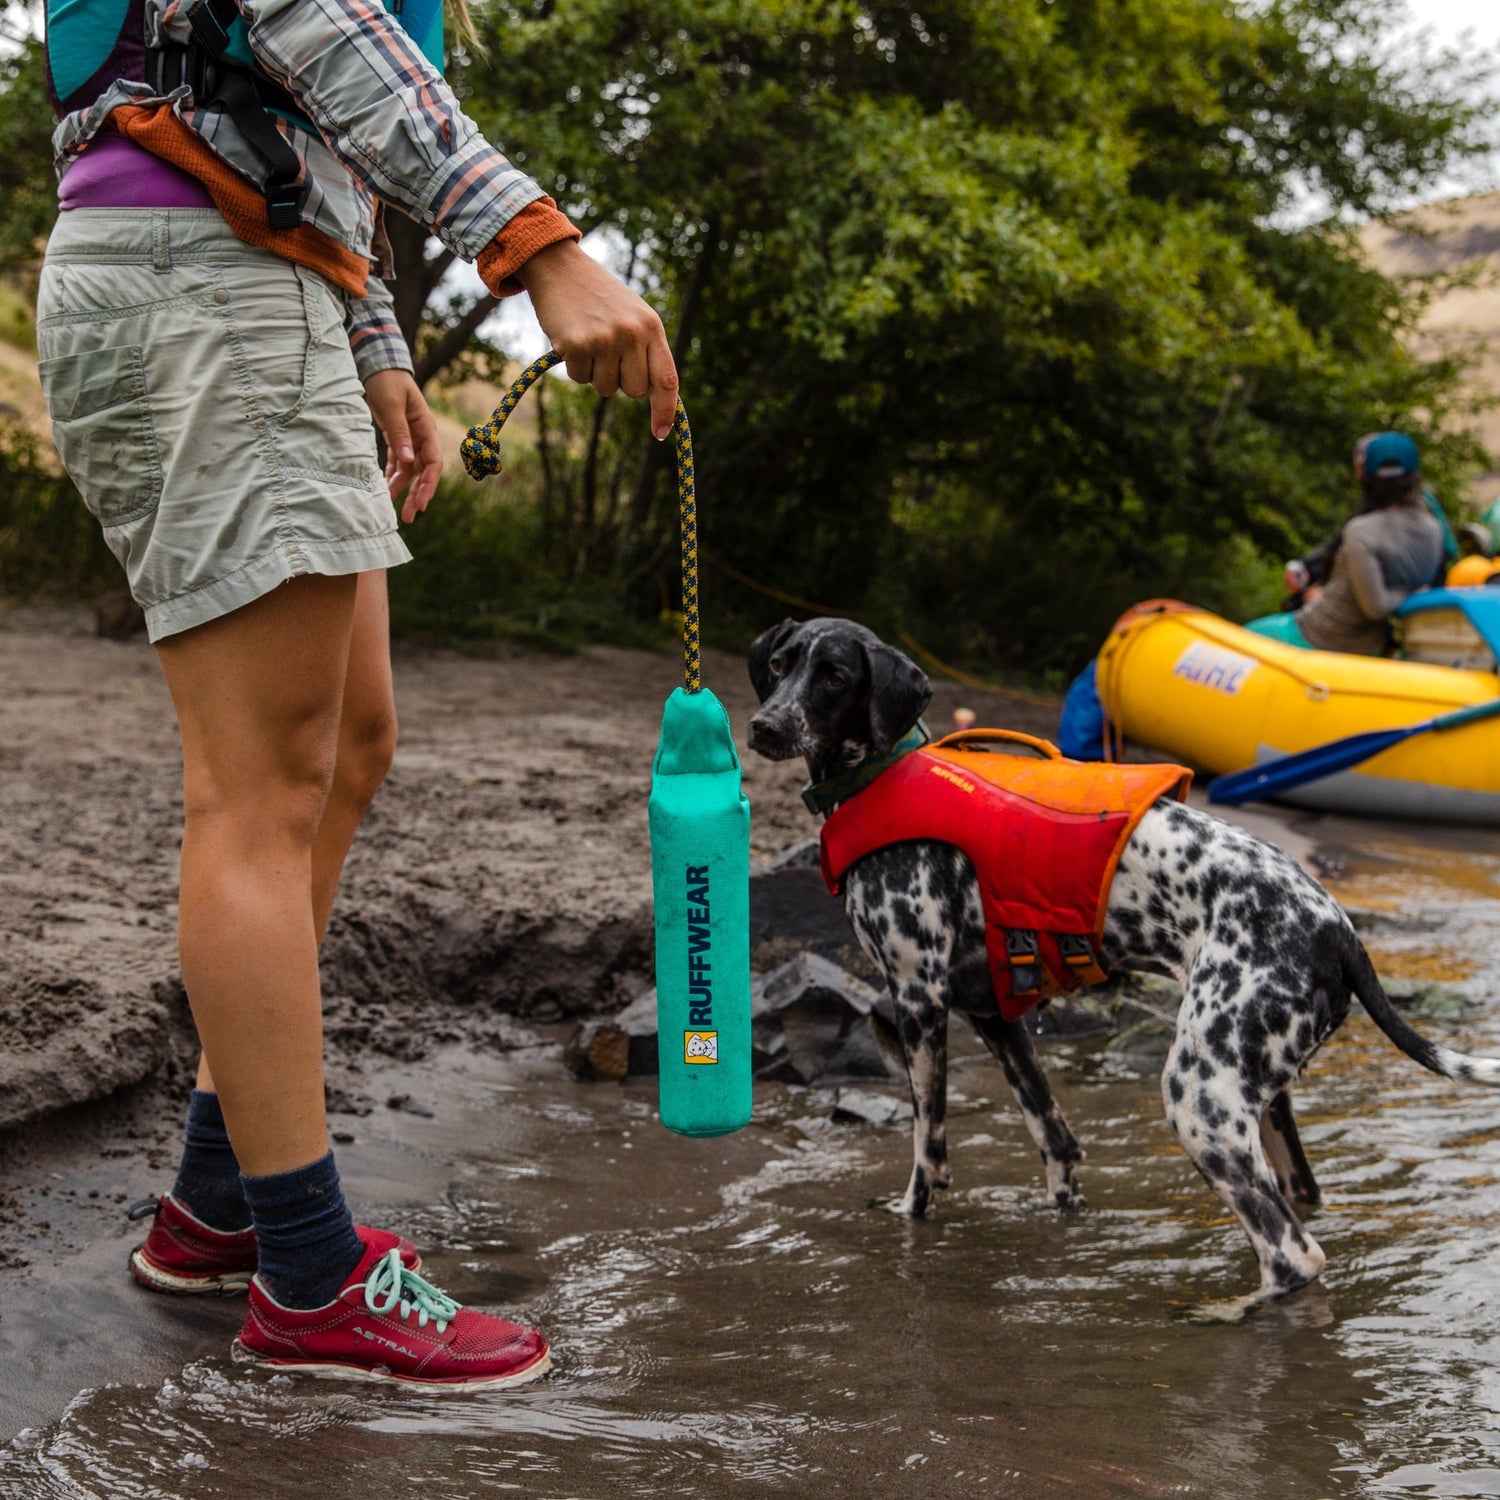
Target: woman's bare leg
259 698
367 742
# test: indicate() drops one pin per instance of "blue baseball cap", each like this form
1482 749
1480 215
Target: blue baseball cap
1389 454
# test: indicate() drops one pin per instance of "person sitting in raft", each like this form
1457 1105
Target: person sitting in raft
1306 575
1389 548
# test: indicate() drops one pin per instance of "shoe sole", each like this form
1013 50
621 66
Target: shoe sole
158 1279
324 1370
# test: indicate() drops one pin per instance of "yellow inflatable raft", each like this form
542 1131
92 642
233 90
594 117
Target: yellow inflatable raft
1191 684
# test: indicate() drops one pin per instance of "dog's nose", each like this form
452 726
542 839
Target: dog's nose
768 737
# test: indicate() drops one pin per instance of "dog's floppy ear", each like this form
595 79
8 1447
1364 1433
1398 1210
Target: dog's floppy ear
899 691
767 644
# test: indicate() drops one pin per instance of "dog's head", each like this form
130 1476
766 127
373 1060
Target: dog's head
833 692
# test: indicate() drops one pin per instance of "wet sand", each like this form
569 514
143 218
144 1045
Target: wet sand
729 1317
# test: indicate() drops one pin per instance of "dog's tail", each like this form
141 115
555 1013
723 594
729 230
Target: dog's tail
1360 973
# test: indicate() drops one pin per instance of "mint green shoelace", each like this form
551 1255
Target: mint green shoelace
390 1283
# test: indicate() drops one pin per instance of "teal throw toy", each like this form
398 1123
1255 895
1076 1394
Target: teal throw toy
700 849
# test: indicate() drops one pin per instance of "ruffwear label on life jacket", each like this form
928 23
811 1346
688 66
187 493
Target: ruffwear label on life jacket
1214 667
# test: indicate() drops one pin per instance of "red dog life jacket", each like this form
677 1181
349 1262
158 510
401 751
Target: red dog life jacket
1044 835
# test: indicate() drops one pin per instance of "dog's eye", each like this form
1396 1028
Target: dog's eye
776 666
835 679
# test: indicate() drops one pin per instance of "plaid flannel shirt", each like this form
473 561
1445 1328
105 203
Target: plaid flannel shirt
388 128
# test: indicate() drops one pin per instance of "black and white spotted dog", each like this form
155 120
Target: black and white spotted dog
1266 958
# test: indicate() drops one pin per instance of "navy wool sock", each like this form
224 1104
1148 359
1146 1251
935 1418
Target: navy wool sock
208 1178
304 1233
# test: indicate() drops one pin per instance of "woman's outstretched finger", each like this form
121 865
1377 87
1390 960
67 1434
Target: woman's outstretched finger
662 375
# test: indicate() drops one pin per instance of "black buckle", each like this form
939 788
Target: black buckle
210 21
1077 951
1025 960
284 202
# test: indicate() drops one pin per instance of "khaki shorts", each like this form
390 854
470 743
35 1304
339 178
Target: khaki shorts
205 402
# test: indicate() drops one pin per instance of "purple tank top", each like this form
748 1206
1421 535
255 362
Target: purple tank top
116 173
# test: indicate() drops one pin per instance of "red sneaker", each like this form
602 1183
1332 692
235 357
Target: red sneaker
184 1256
388 1324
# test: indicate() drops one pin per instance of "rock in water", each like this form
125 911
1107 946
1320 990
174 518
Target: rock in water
812 1024
598 1049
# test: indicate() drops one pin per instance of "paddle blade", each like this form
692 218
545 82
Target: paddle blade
1291 771
700 873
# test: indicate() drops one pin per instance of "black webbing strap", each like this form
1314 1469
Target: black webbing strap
237 97
210 22
246 96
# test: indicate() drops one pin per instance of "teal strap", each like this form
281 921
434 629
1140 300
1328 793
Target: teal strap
826 795
1450 542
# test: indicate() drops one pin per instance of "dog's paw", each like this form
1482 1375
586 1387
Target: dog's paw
1225 1309
1062 1184
899 1204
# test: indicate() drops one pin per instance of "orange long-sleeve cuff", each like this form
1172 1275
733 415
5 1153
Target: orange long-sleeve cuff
537 226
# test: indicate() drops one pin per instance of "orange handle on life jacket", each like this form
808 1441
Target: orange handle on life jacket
984 739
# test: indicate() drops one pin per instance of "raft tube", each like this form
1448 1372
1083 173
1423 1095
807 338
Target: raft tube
1189 683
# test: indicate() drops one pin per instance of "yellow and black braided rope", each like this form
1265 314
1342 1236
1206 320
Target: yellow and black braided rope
687 510
480 452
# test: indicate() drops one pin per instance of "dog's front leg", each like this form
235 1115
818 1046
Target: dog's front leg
922 1025
1010 1043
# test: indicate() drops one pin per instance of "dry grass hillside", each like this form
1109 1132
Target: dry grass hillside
1442 239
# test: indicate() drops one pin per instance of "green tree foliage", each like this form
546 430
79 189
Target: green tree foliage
994 317
28 189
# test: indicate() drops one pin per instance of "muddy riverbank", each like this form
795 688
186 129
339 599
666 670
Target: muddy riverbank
729 1317
502 873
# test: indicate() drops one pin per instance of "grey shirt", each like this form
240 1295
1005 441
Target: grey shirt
1383 556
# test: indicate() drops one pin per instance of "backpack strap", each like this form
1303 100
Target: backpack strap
246 95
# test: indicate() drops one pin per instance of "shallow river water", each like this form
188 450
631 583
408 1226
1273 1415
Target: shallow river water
730 1318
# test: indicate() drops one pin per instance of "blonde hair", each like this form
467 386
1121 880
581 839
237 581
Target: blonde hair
461 25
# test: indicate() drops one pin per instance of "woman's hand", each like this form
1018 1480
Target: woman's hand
609 338
412 456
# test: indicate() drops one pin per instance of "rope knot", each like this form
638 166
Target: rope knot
480 450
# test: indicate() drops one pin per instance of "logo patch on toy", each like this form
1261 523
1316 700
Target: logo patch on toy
700 1046
1214 667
